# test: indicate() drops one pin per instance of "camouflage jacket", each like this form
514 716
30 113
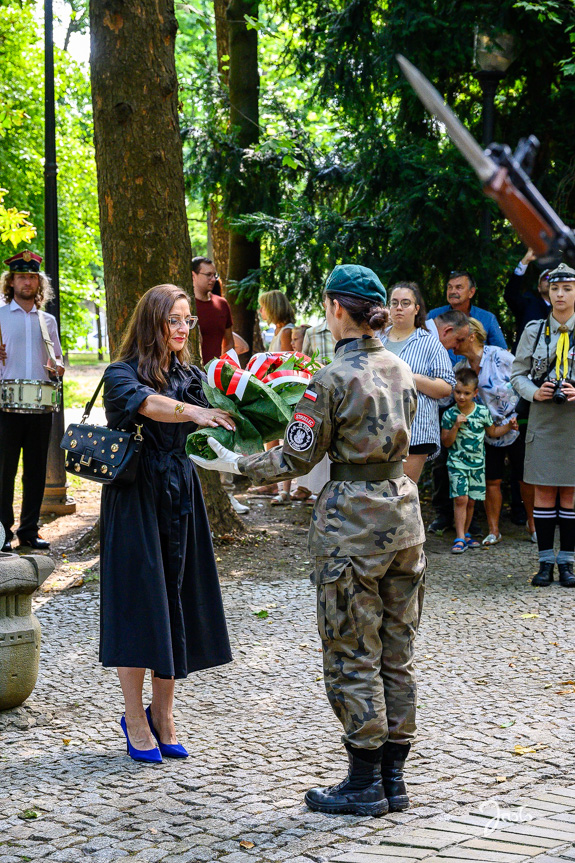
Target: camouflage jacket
359 410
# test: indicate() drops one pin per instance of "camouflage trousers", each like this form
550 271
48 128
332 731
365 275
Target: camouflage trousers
368 610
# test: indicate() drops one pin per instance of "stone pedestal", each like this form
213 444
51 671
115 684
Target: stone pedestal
20 576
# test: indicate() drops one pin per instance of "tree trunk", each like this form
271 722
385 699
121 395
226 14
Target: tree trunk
244 85
220 234
220 243
139 162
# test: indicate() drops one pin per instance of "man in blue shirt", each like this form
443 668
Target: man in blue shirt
460 291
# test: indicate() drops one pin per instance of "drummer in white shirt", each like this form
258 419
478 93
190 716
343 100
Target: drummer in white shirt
24 356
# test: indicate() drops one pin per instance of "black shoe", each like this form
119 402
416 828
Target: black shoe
439 524
475 527
566 576
392 764
360 793
519 516
7 547
35 542
545 575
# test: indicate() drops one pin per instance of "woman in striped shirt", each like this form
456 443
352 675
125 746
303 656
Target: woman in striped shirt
409 339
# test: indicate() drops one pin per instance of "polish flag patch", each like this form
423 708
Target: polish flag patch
309 394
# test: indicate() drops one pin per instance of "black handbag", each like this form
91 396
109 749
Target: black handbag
109 456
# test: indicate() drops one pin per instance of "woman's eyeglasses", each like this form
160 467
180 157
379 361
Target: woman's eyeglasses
405 304
176 323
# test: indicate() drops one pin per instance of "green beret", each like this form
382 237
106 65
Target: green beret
351 280
562 273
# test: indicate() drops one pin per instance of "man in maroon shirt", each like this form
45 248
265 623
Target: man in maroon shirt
214 315
215 322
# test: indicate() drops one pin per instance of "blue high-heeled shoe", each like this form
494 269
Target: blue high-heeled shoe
153 756
168 750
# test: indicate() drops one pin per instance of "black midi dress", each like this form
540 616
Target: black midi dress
161 605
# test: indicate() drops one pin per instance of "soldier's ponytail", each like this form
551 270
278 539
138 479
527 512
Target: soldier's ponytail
375 315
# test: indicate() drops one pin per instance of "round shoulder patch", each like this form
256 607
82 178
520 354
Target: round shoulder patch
299 436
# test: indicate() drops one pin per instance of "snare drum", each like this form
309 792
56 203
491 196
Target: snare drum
29 397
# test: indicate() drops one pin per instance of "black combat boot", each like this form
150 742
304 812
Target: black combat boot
545 575
360 793
566 576
392 764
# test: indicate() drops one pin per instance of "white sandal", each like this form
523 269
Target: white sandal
491 539
281 499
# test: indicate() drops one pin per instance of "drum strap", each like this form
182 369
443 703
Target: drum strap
47 340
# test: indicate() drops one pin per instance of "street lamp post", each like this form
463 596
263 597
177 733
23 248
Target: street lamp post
488 79
493 56
55 497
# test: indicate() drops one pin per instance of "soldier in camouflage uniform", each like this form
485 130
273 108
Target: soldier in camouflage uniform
366 536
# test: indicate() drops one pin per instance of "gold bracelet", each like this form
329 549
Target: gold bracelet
179 409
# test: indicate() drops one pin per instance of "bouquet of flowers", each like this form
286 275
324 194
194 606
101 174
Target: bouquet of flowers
260 398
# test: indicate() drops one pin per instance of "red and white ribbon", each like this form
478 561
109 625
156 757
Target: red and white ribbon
214 370
232 358
238 382
237 385
286 377
260 364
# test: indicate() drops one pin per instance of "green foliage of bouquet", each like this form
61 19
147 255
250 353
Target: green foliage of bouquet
261 408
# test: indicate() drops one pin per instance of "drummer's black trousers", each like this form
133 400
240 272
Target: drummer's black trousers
29 434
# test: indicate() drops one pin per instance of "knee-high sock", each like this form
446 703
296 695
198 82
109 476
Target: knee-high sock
566 518
545 519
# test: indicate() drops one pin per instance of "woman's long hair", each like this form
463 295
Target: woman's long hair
278 308
421 316
375 315
146 337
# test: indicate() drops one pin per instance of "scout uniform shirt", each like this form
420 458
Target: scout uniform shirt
533 357
549 439
359 410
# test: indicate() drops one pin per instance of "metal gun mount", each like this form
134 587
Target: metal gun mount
519 166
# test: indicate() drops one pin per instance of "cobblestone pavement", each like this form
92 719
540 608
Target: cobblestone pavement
496 710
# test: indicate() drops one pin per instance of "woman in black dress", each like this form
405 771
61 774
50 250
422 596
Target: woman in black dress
161 604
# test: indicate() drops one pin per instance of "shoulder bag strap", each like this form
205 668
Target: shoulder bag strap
46 336
552 363
543 322
90 404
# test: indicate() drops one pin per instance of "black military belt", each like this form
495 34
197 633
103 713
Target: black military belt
375 472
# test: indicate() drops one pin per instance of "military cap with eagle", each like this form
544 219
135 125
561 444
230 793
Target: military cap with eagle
24 262
562 273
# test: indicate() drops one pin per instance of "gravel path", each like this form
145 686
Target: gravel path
495 660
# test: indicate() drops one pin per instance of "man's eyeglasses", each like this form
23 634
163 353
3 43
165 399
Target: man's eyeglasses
176 323
405 304
209 276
